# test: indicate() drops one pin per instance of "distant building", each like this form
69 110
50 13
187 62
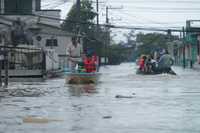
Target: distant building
175 50
193 42
24 23
188 53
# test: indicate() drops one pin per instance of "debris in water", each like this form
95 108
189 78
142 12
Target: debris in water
37 120
27 108
133 93
25 93
121 96
107 117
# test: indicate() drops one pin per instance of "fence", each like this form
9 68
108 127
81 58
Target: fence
22 58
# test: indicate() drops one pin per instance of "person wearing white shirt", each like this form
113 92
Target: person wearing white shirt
74 53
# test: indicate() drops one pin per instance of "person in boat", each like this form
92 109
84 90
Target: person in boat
81 68
142 65
95 58
165 62
74 52
149 64
90 63
154 64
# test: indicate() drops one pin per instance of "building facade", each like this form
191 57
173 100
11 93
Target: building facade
24 23
187 50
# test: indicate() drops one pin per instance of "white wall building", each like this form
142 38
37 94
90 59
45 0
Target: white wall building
38 25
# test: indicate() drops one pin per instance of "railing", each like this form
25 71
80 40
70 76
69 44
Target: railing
22 58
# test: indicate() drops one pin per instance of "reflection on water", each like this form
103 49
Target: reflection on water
78 90
122 102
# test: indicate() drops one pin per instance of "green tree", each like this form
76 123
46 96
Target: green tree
80 19
130 37
151 42
86 27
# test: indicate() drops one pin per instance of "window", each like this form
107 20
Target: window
51 42
18 6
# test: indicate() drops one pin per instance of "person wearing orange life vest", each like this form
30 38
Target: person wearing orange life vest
89 64
142 63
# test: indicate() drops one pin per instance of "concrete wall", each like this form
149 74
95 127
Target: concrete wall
46 32
52 60
63 43
24 75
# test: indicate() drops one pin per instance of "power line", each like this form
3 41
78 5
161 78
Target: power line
109 25
144 19
164 8
158 1
112 26
164 12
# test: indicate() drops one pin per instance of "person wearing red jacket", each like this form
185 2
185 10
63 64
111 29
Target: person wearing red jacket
142 63
89 64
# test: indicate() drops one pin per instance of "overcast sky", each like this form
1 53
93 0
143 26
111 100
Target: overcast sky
140 13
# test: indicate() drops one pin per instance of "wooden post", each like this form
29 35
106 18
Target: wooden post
97 6
0 69
6 67
107 36
184 61
5 53
78 8
43 63
1 60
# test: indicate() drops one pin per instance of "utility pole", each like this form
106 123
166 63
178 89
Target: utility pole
97 6
52 54
1 59
111 8
6 67
107 30
107 19
184 61
5 59
78 8
107 43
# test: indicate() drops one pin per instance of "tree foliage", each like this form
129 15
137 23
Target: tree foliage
73 18
86 27
150 42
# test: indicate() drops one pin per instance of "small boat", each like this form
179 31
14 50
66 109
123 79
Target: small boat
86 72
82 78
155 72
153 67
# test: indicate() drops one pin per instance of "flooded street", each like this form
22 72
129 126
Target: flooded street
122 102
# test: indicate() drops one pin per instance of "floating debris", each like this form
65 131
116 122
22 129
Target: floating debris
107 117
19 101
26 93
38 120
27 108
8 104
121 96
